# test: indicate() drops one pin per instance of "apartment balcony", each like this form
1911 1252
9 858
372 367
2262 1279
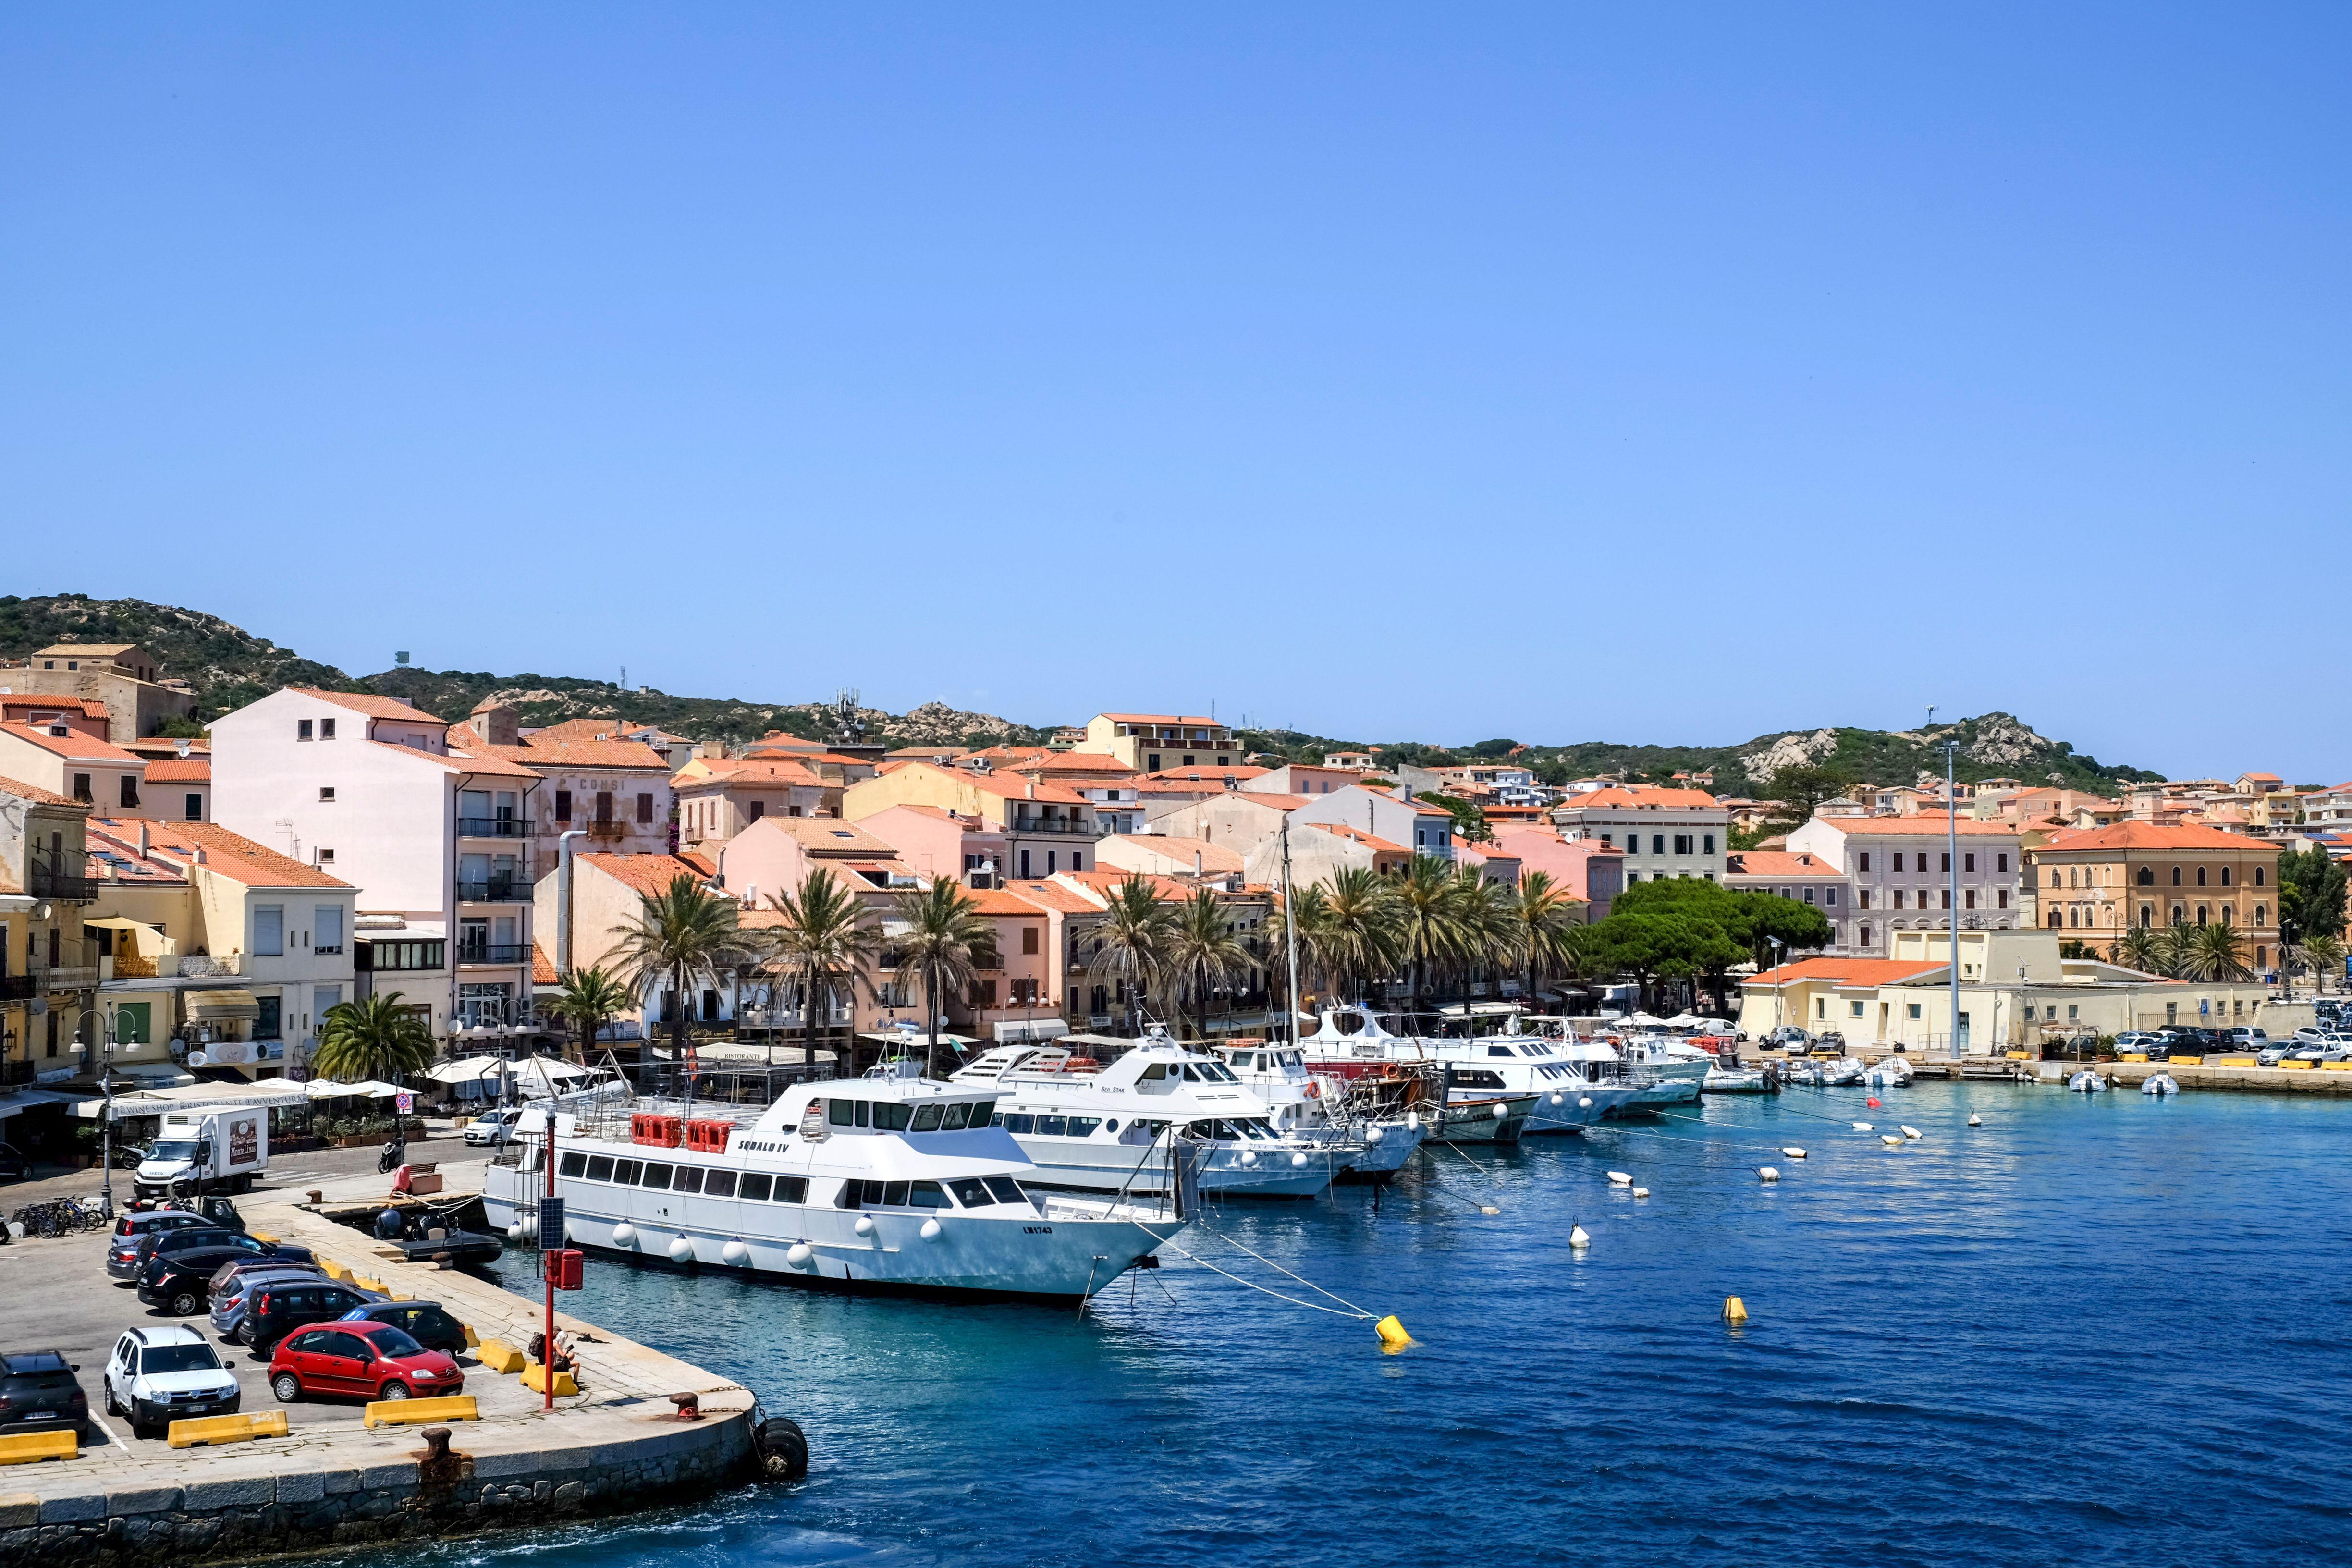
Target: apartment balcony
494 827
1078 827
504 953
495 890
609 832
61 876
18 988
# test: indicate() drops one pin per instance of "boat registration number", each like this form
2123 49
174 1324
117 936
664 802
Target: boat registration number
1036 1230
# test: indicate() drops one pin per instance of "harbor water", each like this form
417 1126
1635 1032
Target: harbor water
2095 1329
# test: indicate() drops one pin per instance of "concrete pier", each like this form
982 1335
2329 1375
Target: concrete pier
618 1444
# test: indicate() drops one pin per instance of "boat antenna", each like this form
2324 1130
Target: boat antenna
1290 929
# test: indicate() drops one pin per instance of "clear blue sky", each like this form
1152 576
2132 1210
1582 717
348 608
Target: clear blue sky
1656 374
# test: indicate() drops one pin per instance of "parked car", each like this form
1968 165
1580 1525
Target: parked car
2309 1035
364 1360
157 1376
135 1236
2243 1038
427 1322
178 1278
2274 1055
2329 1052
494 1127
2142 1040
237 1284
280 1307
38 1392
14 1166
1787 1035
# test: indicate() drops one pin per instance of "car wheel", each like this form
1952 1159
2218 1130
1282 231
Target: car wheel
286 1386
394 1390
243 1333
143 1430
186 1303
112 1407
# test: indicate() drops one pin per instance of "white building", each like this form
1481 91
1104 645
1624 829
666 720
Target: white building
1660 832
369 790
1902 871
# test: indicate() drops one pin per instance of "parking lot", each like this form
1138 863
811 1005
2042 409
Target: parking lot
55 1295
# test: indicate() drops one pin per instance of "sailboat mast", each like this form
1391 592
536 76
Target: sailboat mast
1290 929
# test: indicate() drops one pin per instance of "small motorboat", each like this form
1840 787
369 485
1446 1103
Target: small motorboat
1888 1072
1721 1079
2163 1083
2087 1082
1844 1071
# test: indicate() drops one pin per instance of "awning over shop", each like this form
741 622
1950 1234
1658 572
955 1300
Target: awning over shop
154 1102
27 1099
221 1007
467 1070
325 1089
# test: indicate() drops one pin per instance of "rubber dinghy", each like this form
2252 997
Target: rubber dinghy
2162 1083
2087 1082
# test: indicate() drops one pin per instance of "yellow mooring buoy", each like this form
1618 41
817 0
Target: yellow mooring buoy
1735 1310
1392 1335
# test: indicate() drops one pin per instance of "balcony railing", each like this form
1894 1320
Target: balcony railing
494 953
494 827
1076 825
494 890
17 987
60 876
606 830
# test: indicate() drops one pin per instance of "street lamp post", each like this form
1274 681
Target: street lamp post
1952 860
1778 980
104 1024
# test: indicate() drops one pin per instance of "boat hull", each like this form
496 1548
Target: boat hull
1121 1170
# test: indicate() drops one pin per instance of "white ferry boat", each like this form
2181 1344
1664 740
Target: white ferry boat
1102 1127
1670 1072
1311 1105
889 1184
1563 1093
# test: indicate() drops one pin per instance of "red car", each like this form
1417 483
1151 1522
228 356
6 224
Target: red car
365 1361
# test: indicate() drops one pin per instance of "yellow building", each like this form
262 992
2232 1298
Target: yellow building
2092 886
1047 829
1150 741
46 972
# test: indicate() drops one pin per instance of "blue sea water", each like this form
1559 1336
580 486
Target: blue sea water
2096 1329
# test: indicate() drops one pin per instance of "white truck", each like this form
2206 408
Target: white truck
217 1149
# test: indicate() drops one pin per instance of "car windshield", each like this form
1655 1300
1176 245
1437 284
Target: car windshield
389 1340
173 1148
178 1358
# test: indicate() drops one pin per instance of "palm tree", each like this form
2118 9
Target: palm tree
1311 913
2140 948
1486 936
1135 942
1358 937
1203 952
589 998
2213 952
1541 916
947 941
373 1037
684 934
2325 953
1429 924
825 940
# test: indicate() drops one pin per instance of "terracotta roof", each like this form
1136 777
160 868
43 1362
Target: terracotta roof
1078 763
373 706
725 771
1927 825
644 873
1048 895
1342 830
542 970
1000 901
460 761
828 834
88 707
1637 796
73 743
1209 773
180 770
23 791
1214 857
1777 863
699 861
1161 718
226 854
563 752
80 647
1106 881
1848 971
1018 788
2150 836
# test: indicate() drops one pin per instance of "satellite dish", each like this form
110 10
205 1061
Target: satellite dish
198 1058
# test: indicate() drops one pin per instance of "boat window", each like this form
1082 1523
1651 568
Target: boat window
1006 1189
1220 1075
847 1197
980 1111
1255 1127
894 1193
572 1164
689 1179
625 1172
1019 1121
840 1112
958 1114
600 1167
656 1175
971 1192
863 1107
1084 1126
1292 1060
1153 1073
754 1189
890 1116
1498 1051
1053 1126
789 1189
927 1118
1113 1124
926 1196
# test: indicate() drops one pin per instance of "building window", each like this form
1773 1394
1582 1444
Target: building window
1028 938
1657 843
1898 897
1708 845
1971 898
269 929
130 790
2004 898
1866 859
1808 895
1863 937
2175 876
1912 1008
195 808
1944 898
1967 863
2261 914
2056 920
644 806
325 729
1862 897
2054 877
2258 876
1829 896
2145 877
2225 876
563 806
326 793
81 788
1682 843
757 810
301 729
326 857
2001 862
2201 876
1946 867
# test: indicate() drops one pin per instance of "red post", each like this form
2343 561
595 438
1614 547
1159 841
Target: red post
547 1343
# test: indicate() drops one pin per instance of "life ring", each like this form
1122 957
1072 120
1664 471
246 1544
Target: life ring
1313 1089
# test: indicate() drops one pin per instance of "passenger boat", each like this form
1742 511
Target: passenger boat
1668 1071
1722 1079
1092 1126
1560 1094
890 1182
1312 1105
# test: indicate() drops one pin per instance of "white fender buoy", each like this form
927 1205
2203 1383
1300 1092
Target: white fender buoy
864 1226
1770 1172
1974 1120
1249 1157
1584 1102
799 1254
1502 1111
1558 1099
931 1231
1620 1178
681 1251
1862 1127
625 1235
1373 1135
515 1231
1298 1160
1890 1140
1913 1132
1412 1120
735 1253
1641 1192
1579 1237
1794 1153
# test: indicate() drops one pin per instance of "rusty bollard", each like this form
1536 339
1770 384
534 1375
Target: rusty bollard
316 1196
689 1406
437 1467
